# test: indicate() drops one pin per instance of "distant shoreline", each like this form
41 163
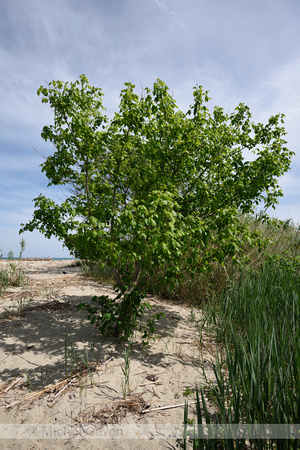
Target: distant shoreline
38 258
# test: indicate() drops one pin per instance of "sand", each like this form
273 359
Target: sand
48 397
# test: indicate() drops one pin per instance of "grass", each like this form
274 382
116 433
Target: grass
257 369
282 239
99 272
126 372
12 275
75 365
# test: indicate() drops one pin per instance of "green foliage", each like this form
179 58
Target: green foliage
10 276
278 239
188 391
97 271
10 255
108 315
154 187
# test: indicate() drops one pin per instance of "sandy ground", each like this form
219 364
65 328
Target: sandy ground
48 397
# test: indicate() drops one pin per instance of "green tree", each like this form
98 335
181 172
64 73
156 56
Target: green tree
153 187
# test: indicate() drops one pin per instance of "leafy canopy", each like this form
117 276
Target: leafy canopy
154 186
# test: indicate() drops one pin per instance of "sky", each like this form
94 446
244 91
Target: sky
240 50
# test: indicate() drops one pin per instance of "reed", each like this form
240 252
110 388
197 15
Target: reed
256 322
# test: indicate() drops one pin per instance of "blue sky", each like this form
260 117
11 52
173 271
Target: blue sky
240 50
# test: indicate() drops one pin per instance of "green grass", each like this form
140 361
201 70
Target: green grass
12 275
257 369
97 271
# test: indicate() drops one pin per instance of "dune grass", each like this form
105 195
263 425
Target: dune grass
257 368
11 275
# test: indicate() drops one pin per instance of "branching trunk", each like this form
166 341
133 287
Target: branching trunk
120 283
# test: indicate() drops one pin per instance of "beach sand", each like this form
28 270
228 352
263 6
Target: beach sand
48 397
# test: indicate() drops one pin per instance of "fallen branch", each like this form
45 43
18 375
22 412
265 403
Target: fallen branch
152 382
12 384
62 390
5 358
24 359
164 407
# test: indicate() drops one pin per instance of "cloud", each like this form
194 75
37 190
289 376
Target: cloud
170 12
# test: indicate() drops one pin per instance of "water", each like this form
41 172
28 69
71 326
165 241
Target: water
39 257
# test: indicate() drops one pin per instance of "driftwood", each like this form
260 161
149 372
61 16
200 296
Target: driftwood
152 382
62 390
12 384
165 407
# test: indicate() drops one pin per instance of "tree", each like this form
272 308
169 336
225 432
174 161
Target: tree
153 187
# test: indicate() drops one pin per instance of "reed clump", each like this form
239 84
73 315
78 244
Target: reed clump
11 275
257 368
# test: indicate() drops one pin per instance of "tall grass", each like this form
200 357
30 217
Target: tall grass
11 275
97 271
257 369
280 238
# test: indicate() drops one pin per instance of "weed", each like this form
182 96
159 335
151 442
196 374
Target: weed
44 375
22 247
97 271
12 275
31 380
188 391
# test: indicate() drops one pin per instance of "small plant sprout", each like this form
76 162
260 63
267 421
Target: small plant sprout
10 255
126 372
88 366
188 391
193 316
69 354
31 381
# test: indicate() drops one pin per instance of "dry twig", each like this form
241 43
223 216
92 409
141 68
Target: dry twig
164 407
